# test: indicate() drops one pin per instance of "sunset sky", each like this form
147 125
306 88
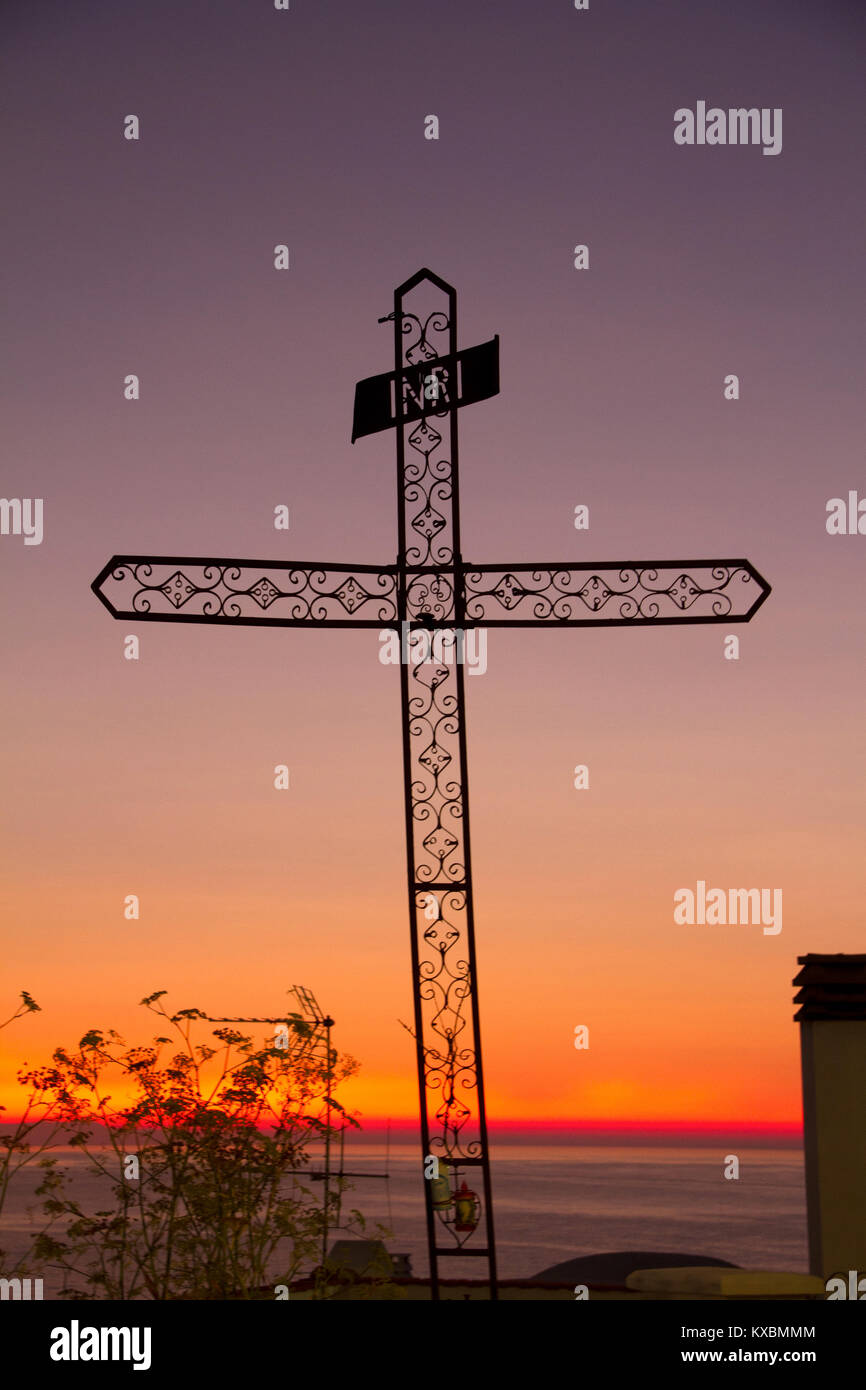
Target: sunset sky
155 777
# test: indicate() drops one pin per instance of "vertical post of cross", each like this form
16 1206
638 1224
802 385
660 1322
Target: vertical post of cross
442 927
328 1023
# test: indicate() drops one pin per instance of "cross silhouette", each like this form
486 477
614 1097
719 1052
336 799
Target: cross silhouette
432 587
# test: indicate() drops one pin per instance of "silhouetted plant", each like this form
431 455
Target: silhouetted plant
204 1159
42 1123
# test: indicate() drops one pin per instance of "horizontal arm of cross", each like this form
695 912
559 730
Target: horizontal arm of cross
629 593
159 588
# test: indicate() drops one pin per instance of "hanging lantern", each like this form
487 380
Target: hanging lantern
440 1188
467 1209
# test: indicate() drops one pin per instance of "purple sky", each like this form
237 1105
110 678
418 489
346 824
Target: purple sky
155 257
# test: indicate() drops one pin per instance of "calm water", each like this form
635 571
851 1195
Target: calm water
558 1202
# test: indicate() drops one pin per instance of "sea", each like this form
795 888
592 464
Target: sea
552 1203
559 1202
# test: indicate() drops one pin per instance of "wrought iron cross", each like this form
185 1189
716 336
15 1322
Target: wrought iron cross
431 586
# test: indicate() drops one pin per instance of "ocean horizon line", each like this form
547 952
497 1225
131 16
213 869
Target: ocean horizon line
698 1134
766 1134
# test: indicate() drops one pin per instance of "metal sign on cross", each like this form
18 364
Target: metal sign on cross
431 586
